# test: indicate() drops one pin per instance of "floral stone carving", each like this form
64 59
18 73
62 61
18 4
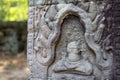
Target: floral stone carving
64 40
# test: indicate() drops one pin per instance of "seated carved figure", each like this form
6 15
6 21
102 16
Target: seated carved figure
73 62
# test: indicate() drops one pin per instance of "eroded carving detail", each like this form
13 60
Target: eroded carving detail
72 63
82 53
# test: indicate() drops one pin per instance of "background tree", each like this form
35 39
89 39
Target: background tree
13 24
13 10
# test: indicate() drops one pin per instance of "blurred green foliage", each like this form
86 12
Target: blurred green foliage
13 10
13 24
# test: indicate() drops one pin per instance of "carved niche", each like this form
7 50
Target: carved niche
64 41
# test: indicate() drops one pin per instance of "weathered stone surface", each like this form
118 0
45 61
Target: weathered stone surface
49 2
64 40
31 2
55 2
71 77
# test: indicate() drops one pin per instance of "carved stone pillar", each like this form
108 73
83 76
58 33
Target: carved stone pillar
66 42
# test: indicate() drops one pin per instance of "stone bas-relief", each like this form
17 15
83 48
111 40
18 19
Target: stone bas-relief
64 41
72 63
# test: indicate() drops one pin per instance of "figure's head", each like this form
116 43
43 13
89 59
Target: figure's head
73 47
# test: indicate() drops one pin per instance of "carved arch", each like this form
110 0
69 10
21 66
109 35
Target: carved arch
73 10
70 9
53 37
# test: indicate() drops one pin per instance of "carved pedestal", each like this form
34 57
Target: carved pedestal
65 40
